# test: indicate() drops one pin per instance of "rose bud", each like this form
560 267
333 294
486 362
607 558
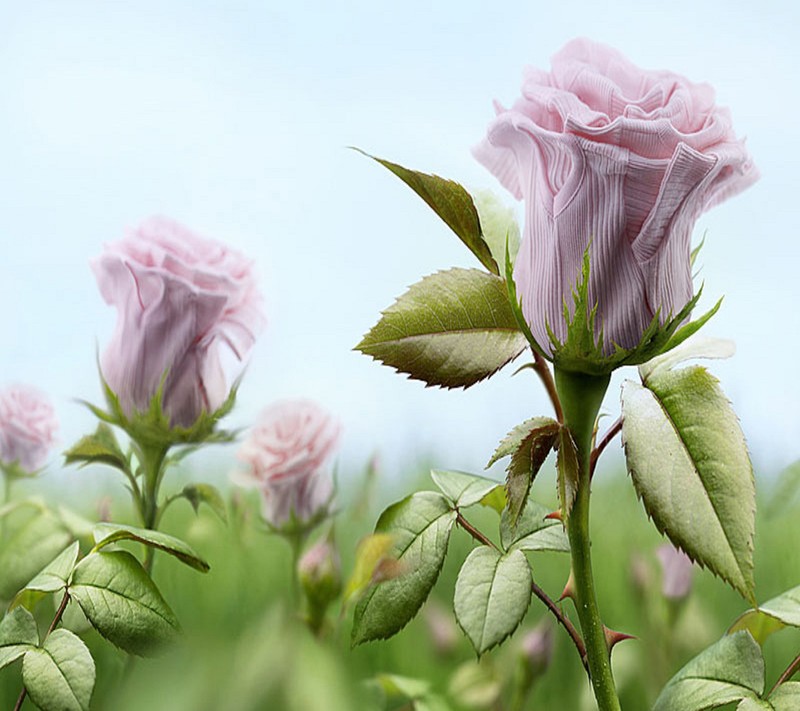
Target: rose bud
320 573
179 298
677 569
537 648
286 456
614 163
28 427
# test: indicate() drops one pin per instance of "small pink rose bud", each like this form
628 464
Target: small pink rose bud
179 299
28 427
286 456
441 628
677 569
537 648
320 573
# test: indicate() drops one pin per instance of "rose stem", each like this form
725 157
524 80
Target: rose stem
581 396
790 671
56 620
541 594
543 371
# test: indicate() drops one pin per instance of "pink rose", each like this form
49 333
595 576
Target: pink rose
28 427
604 153
286 455
179 297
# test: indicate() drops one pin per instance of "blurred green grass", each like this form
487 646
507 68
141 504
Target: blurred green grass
244 648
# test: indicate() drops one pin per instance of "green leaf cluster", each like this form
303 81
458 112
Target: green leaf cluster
494 585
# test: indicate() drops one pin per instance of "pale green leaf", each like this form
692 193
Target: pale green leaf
463 489
56 573
18 634
528 445
689 463
101 447
453 328
533 531
197 494
728 671
452 203
786 697
60 675
122 602
755 705
772 616
493 591
107 533
28 549
371 552
420 525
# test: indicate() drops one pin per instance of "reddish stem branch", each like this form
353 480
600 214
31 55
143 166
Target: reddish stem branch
562 619
791 670
598 450
543 371
53 625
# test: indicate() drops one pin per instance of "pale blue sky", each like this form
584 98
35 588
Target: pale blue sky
234 118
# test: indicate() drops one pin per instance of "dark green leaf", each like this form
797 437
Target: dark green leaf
98 448
533 531
452 203
730 670
421 525
453 328
60 675
463 489
689 463
528 445
107 533
493 592
123 603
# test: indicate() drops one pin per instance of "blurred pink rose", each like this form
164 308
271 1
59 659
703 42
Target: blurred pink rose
286 455
604 151
178 298
677 570
28 427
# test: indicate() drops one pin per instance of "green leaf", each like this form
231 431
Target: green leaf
730 670
528 444
453 329
496 499
123 603
772 616
786 697
689 463
498 225
60 675
98 448
107 533
568 471
56 573
533 531
755 705
463 489
420 525
493 592
18 634
371 552
28 549
451 202
197 494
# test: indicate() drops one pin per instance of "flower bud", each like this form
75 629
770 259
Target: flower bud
320 573
677 569
28 428
537 649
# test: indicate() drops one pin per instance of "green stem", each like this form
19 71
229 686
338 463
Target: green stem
152 463
581 396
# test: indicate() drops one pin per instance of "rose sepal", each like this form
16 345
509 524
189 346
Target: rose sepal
582 349
151 428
